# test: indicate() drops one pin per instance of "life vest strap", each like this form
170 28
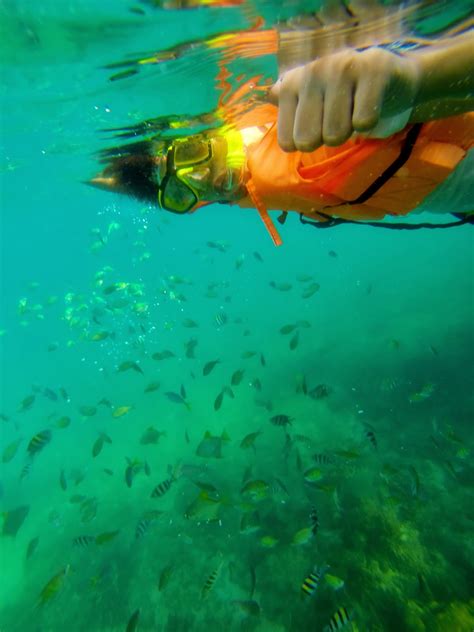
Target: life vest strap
262 211
336 221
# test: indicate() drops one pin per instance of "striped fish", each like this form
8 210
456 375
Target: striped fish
308 587
83 541
210 581
25 471
38 442
313 516
338 620
144 523
322 459
162 488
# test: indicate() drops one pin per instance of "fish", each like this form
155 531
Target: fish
163 355
314 520
88 509
38 442
210 581
248 607
255 490
423 394
31 548
144 523
336 583
209 366
320 391
83 541
348 455
132 624
165 576
281 287
239 261
27 403
249 440
105 537
332 253
268 541
258 256
228 391
311 583
162 488
310 290
218 401
303 536
62 481
281 420
237 377
130 365
312 475
13 519
120 411
50 394
87 411
53 586
25 471
178 398
372 438
151 387
250 522
208 487
190 347
294 341
338 621
63 422
322 459
287 329
221 319
151 436
190 323
105 402
257 385
132 469
246 355
99 443
98 336
210 445
10 450
204 508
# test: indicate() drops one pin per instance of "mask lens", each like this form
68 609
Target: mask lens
178 197
191 152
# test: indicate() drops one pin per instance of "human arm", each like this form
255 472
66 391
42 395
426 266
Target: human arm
326 100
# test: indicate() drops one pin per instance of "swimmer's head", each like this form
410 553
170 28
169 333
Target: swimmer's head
180 176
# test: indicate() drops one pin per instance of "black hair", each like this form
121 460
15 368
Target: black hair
135 175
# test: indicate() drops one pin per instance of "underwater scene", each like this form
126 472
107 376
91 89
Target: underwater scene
200 430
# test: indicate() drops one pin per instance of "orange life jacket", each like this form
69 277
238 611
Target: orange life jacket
338 180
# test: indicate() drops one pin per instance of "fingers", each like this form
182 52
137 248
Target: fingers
287 103
368 99
327 100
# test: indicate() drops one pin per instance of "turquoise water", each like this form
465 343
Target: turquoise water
91 281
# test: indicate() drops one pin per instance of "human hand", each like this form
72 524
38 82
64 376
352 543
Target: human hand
326 100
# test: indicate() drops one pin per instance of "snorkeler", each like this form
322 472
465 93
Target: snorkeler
425 166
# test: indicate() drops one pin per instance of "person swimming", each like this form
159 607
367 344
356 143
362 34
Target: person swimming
273 158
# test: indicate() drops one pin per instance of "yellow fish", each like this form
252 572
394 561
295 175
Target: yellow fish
120 411
53 586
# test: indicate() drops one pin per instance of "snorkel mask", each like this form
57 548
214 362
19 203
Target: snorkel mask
199 171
